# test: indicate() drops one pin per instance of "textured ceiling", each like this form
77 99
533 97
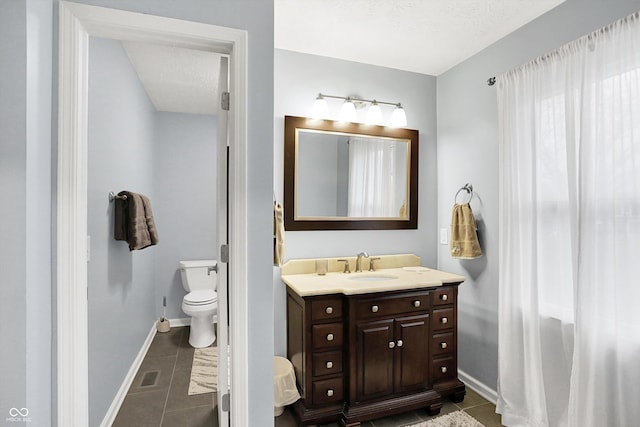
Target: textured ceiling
177 80
424 36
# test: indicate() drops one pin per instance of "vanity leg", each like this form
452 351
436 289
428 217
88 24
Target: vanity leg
458 397
434 409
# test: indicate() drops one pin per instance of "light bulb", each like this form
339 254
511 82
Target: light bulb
398 117
348 111
374 115
320 108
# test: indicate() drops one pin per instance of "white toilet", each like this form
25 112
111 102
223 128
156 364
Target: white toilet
199 279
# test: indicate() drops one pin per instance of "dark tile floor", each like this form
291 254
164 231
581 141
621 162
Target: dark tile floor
473 404
163 401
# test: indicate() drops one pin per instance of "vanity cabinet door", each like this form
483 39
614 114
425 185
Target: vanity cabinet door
374 359
412 353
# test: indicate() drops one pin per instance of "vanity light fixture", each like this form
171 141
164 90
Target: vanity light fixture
348 111
320 108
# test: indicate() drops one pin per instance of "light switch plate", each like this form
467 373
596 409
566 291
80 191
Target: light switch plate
444 236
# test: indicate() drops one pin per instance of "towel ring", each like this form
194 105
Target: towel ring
469 189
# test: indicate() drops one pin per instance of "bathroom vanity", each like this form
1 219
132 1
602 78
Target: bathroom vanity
371 344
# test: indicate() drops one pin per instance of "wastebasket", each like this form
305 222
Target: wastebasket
285 391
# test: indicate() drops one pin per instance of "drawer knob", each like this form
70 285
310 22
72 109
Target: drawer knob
399 343
374 308
444 320
329 337
416 303
329 364
443 345
330 393
329 310
443 369
444 297
391 344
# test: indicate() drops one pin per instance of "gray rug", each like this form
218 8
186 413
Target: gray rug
453 419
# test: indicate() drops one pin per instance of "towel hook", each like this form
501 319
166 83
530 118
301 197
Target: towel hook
468 188
113 196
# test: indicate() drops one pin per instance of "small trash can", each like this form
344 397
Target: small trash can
285 391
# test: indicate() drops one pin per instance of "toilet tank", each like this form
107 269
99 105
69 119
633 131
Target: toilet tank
195 275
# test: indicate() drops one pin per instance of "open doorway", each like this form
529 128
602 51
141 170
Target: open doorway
77 23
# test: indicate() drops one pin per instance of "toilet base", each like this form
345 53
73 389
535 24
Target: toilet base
202 333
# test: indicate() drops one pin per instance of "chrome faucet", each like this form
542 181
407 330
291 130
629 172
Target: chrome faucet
359 261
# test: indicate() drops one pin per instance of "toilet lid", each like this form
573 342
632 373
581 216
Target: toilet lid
201 297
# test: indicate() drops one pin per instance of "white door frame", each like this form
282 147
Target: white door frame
77 23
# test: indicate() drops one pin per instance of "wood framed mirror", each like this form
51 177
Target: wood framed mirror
349 176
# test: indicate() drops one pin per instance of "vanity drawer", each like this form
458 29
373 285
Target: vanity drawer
327 335
443 318
328 391
443 368
327 363
391 305
443 295
326 309
442 343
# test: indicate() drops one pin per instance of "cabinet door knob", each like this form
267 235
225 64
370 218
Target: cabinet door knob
444 297
329 337
416 303
391 344
330 393
443 345
374 308
399 343
329 364
443 369
329 310
444 320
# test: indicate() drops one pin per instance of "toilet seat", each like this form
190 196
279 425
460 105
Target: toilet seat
200 297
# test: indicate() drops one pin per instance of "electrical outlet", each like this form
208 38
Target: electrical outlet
444 236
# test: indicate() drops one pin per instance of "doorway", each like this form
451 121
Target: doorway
77 23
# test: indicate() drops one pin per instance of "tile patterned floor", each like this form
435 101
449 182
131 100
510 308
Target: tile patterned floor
165 402
473 404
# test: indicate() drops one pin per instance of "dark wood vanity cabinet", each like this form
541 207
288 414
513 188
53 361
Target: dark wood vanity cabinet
361 357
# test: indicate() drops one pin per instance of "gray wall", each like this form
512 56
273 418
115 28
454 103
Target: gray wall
25 232
298 80
185 200
169 157
28 363
121 283
468 152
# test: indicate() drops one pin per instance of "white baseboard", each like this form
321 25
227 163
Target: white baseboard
112 412
180 322
480 388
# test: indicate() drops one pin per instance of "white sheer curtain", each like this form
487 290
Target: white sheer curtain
372 178
569 309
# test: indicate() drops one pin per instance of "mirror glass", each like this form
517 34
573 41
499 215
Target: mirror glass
349 176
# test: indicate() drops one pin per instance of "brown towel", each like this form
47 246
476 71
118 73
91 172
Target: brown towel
133 221
278 230
464 240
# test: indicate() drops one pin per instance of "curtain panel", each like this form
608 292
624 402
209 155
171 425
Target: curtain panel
569 322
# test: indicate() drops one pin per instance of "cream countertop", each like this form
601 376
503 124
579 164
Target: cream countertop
410 277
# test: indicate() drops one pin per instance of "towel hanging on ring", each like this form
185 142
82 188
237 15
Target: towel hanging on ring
464 239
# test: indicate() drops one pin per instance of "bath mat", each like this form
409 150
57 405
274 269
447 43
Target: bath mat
453 419
204 371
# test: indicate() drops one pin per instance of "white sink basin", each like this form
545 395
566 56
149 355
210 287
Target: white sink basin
372 278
